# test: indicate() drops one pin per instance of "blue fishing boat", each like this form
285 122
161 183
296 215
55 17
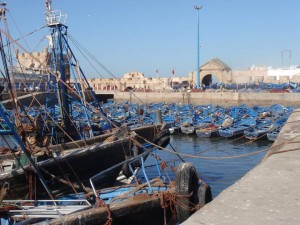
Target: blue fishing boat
123 204
269 86
263 126
211 119
238 128
276 127
208 131
187 127
69 138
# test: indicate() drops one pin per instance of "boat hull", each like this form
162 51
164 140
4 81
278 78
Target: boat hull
174 130
255 134
271 136
230 132
71 168
84 163
187 130
208 131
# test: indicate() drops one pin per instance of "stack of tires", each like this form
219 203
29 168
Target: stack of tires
192 193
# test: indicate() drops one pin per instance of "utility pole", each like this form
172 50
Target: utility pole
198 47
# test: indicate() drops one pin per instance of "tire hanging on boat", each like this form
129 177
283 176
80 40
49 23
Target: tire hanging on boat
186 188
161 134
162 139
125 168
204 194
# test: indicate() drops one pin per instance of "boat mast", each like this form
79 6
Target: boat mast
55 21
9 78
4 116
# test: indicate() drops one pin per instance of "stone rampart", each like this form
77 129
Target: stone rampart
220 98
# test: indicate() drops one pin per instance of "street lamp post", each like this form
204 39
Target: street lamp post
198 48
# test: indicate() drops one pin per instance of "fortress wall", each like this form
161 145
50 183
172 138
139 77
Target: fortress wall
219 98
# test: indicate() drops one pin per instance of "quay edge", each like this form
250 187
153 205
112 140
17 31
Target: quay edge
268 194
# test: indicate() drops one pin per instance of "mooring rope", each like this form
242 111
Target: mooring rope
205 157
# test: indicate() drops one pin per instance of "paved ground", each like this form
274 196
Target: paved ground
268 194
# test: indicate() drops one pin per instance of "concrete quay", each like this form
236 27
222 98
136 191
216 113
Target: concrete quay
268 194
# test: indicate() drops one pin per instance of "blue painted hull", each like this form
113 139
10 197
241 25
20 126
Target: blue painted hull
209 131
255 134
232 131
272 136
187 130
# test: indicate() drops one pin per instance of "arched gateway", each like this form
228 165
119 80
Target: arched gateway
214 71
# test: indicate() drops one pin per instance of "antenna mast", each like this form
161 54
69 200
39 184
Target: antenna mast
55 21
48 7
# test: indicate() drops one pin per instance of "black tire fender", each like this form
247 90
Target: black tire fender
126 171
125 168
164 141
160 135
186 184
204 194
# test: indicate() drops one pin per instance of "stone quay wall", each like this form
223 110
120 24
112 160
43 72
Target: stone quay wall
220 98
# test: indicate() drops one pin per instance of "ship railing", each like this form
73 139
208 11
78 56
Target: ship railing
147 150
56 17
46 208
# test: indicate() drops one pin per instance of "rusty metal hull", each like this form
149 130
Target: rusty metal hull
140 209
77 164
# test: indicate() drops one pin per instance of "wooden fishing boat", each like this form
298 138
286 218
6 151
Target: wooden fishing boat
276 127
61 141
208 131
238 128
175 130
272 135
256 133
153 202
263 126
78 160
187 128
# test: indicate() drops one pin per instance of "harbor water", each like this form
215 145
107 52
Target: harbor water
219 162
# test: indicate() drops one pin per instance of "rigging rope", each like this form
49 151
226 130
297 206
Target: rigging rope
79 47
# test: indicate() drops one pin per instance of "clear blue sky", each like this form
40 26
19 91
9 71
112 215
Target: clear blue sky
140 35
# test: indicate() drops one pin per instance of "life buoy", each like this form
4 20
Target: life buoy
186 189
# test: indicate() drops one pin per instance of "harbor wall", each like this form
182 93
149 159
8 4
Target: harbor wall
219 98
